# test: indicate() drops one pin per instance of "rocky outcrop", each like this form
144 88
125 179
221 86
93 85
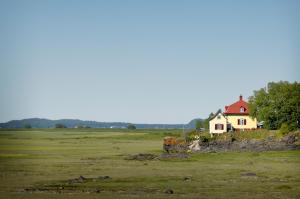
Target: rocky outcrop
289 142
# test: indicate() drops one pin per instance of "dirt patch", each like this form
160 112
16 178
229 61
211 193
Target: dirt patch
74 185
97 185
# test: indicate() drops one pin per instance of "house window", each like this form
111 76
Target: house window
242 122
242 110
219 117
219 126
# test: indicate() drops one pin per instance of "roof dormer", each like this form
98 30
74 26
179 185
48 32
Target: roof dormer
242 109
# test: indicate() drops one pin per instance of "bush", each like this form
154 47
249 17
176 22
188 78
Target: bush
131 127
204 139
27 126
192 135
284 129
60 126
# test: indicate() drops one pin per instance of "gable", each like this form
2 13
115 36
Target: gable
218 116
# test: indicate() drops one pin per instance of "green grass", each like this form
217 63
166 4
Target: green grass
46 159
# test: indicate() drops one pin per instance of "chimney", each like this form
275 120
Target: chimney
241 97
226 107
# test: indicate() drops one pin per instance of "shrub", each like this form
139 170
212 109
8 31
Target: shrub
60 126
27 126
204 139
131 127
284 129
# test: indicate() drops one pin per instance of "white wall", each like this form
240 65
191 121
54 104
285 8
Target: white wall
215 121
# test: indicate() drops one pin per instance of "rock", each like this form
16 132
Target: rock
194 146
77 180
289 139
169 191
81 179
288 142
104 177
270 138
187 178
98 190
142 156
248 174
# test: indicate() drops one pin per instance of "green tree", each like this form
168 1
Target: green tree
198 124
60 126
131 126
276 104
27 126
206 121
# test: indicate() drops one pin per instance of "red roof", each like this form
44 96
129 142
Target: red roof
238 108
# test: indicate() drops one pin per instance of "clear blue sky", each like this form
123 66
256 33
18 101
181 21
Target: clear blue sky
141 61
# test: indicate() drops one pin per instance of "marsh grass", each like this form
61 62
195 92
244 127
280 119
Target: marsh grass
43 161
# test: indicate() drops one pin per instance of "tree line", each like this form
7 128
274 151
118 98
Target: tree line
278 105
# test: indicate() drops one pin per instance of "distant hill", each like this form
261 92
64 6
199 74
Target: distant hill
72 123
192 123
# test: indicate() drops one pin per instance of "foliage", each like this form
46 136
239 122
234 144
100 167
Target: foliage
27 126
192 135
246 135
131 126
195 135
277 104
59 126
198 125
284 129
206 121
205 138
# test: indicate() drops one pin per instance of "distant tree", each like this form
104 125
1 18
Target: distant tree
206 121
278 104
60 126
27 126
198 125
131 126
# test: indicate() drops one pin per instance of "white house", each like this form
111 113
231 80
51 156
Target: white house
218 123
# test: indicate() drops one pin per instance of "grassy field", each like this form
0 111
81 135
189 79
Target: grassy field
44 161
